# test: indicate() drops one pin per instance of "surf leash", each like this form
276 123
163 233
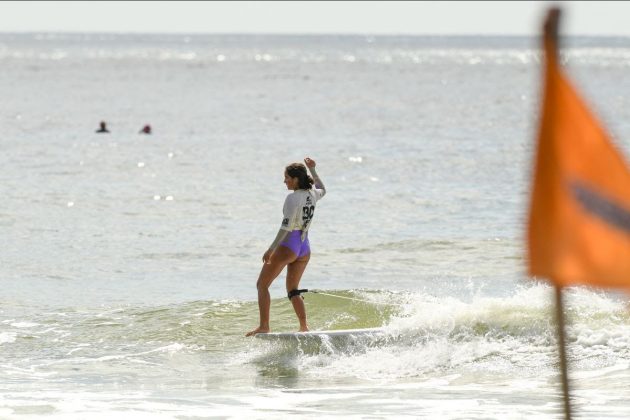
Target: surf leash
319 292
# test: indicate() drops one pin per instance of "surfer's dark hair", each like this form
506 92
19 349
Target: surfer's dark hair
298 170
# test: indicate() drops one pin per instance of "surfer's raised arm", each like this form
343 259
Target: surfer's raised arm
310 164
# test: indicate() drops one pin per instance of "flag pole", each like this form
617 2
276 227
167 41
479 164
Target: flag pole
551 50
562 352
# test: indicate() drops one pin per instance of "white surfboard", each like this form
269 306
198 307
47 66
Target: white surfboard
321 334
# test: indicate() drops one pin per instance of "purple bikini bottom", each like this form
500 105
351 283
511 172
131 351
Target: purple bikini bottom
293 241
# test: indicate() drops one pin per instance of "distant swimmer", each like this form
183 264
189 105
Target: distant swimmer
291 247
103 128
146 129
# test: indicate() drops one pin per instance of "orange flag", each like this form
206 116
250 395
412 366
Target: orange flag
579 220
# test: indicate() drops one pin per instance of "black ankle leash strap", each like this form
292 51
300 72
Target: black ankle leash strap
296 292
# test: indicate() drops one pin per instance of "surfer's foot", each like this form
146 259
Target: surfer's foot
304 329
256 331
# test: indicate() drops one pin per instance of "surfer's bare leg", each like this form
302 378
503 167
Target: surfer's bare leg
294 275
279 259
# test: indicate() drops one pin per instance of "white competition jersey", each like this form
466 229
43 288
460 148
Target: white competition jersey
299 208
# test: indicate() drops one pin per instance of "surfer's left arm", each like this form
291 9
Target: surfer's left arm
281 236
288 212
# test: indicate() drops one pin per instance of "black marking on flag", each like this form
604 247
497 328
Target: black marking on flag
607 210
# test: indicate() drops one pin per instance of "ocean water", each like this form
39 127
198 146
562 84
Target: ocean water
129 262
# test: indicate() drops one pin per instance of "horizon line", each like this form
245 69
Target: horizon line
305 34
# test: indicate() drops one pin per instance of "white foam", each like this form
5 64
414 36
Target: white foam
107 405
603 372
485 336
7 337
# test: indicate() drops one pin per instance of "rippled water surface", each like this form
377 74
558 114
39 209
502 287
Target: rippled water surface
129 262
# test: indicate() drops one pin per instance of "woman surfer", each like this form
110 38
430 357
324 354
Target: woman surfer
291 248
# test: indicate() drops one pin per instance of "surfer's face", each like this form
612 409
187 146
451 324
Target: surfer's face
290 182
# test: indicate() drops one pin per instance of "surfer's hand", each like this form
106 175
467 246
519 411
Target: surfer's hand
310 163
267 256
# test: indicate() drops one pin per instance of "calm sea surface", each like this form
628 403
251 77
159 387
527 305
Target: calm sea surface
128 262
